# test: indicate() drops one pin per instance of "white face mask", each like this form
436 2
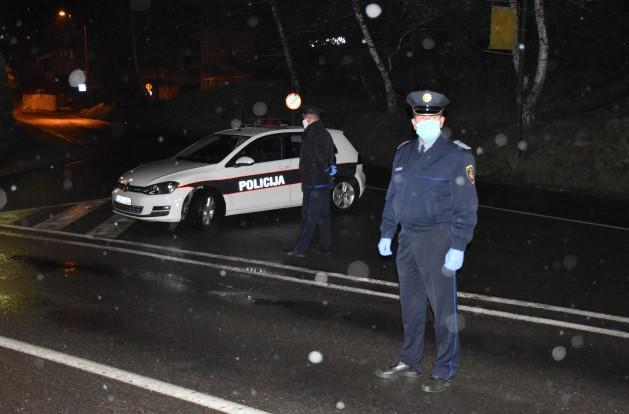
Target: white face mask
428 130
305 123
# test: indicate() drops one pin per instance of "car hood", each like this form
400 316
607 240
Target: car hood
169 169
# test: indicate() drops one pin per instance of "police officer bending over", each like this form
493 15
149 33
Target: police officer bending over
317 166
432 197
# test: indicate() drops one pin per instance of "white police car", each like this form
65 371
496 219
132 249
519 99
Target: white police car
235 171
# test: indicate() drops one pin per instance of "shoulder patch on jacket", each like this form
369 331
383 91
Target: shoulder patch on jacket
462 145
402 144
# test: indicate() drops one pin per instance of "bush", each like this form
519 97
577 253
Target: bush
8 137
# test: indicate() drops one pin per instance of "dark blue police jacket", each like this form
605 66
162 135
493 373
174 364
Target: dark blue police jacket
316 156
431 189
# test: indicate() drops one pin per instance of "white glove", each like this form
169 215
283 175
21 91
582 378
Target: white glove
384 246
454 260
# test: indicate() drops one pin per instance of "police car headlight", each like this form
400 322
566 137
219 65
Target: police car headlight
162 188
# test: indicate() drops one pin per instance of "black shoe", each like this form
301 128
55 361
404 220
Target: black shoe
435 384
294 253
324 252
399 369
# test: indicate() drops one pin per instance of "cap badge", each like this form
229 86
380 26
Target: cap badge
426 97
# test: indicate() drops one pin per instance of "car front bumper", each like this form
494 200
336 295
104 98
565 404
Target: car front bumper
159 207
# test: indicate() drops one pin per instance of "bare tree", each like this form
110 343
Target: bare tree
534 91
289 59
384 72
542 64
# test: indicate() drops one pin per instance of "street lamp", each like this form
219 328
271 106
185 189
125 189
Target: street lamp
293 102
63 14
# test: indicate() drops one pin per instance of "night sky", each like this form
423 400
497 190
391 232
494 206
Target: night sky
440 44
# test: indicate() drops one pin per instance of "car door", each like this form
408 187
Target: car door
262 185
292 143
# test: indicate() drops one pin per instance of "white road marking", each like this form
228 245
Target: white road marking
464 308
208 255
15 215
465 295
140 381
8 216
70 215
373 187
526 213
234 269
535 305
63 137
544 321
113 227
53 205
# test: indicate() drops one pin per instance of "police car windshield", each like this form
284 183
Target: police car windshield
211 149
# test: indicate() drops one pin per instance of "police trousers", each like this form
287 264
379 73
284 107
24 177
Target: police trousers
420 258
315 212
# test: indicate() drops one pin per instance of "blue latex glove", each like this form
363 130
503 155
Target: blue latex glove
454 260
384 246
331 170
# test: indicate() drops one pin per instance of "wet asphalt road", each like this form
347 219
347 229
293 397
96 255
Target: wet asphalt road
247 338
224 312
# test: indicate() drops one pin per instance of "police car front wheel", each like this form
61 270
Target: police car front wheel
204 209
344 194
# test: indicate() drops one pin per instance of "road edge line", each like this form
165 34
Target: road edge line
130 378
528 213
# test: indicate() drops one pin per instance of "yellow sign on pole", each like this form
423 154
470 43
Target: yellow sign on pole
503 24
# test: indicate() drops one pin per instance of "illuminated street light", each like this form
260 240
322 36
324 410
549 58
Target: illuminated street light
63 14
293 101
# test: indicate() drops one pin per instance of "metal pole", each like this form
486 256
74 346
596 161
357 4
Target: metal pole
519 100
85 49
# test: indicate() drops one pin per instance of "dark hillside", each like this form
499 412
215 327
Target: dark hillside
579 141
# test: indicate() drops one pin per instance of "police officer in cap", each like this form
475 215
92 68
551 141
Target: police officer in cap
317 166
432 197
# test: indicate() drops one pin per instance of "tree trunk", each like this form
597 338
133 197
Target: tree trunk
289 59
134 48
388 85
516 50
542 64
7 123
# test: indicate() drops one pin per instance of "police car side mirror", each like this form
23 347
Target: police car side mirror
244 161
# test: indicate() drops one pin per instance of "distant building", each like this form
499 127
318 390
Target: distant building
226 56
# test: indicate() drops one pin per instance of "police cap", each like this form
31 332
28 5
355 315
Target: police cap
311 109
427 102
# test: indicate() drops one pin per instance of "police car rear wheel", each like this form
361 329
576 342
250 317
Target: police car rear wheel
344 195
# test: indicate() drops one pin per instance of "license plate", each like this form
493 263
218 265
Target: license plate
123 200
